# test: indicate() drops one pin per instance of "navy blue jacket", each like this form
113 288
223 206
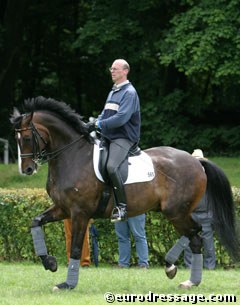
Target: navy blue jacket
120 117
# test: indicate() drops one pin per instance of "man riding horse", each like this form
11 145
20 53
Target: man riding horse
119 123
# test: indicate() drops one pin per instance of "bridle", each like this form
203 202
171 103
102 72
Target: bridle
41 156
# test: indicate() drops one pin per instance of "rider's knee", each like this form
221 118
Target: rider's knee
111 169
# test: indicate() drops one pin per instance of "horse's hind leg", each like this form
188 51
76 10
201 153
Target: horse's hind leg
189 230
173 255
196 263
184 226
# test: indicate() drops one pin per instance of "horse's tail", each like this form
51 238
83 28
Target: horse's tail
220 199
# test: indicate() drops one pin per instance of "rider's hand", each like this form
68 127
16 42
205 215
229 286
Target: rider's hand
91 126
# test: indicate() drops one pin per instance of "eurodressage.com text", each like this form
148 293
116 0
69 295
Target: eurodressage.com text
154 297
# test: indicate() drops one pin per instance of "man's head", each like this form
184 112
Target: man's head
119 71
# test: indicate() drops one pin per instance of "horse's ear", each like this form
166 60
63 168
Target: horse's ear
15 115
16 112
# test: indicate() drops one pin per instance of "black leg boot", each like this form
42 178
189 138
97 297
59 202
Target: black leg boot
119 212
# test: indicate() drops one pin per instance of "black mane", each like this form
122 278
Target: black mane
57 108
60 109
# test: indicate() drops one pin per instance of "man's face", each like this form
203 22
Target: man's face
118 73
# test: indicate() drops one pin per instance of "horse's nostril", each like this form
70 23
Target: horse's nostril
29 171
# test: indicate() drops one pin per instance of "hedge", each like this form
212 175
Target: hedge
19 207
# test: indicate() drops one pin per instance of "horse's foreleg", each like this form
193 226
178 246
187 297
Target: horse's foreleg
52 214
196 263
79 226
173 255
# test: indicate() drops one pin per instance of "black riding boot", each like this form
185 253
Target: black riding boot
119 212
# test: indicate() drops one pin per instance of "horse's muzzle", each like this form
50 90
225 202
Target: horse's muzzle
29 169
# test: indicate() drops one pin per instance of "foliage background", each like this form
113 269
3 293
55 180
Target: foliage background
19 207
184 57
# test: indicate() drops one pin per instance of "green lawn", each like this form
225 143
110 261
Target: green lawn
231 167
23 283
10 177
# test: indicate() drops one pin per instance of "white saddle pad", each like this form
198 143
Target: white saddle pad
140 167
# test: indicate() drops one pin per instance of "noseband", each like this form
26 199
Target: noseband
38 155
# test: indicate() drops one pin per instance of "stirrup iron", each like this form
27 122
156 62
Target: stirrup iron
119 214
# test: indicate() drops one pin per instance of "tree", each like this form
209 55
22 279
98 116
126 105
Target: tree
203 44
11 29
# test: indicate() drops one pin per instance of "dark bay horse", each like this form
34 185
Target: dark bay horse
51 131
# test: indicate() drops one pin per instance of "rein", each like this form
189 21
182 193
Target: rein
51 155
38 156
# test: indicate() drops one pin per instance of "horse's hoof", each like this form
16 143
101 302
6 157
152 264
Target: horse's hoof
50 263
62 286
187 284
171 271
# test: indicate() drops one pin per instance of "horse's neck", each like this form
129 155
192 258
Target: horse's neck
60 138
68 150
59 132
69 166
74 151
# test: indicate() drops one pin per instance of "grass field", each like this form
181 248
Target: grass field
10 177
231 167
29 284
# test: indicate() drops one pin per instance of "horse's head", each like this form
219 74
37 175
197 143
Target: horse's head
31 141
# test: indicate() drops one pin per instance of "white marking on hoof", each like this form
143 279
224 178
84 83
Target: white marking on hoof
171 271
187 284
55 289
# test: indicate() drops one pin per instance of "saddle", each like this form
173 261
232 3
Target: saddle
138 167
